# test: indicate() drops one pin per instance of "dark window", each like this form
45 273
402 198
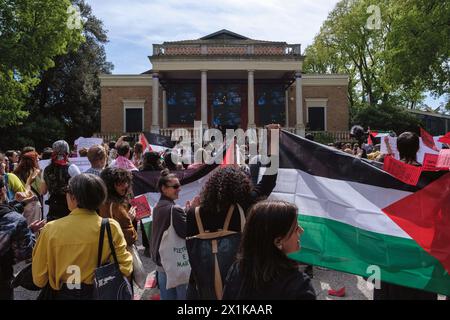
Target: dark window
316 118
133 120
226 105
270 104
181 104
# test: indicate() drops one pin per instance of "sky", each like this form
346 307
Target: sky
134 25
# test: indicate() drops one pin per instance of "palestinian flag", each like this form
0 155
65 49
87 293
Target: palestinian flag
355 215
155 142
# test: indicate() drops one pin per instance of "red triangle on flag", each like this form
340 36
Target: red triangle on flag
425 217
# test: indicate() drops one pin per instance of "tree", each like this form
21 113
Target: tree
418 46
392 63
32 33
66 103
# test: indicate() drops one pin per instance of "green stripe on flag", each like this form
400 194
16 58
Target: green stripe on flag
342 247
147 223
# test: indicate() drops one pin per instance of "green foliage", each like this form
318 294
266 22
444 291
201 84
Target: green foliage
66 102
32 33
386 117
394 63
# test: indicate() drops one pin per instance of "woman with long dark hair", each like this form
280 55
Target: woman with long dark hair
263 270
116 206
228 193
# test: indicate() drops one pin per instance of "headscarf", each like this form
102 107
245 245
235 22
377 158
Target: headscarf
60 154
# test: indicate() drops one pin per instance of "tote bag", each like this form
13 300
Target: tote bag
109 282
174 257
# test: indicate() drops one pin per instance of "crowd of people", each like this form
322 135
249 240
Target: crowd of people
249 237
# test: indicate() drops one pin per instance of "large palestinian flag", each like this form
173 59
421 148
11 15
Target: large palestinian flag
354 214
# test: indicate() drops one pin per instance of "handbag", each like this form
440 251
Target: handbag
139 273
174 257
109 282
25 279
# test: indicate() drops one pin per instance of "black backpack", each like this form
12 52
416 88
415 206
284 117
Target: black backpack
211 254
57 178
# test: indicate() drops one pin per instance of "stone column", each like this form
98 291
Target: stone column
155 103
164 97
286 106
251 99
299 126
204 99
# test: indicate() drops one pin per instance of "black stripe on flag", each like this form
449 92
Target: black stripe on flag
319 160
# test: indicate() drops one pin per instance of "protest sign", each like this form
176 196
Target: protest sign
143 208
392 141
406 173
429 162
443 160
82 142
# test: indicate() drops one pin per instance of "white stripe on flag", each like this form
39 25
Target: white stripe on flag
352 203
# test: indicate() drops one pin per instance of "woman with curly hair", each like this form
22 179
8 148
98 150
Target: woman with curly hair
118 183
229 191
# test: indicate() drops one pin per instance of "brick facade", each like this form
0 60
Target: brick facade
112 119
337 105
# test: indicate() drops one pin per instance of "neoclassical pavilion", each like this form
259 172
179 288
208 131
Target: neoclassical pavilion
224 79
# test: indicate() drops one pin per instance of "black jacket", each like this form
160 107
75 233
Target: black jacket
290 285
16 241
161 222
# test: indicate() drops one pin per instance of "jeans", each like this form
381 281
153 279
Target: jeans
177 293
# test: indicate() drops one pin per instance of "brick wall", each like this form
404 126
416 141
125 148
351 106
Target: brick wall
112 106
337 105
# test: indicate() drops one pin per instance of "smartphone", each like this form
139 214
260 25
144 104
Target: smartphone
128 139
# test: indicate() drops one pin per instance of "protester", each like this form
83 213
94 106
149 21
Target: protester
263 271
97 157
16 241
73 241
172 161
29 174
83 152
56 176
152 161
116 206
47 153
228 186
112 154
137 155
13 160
123 160
407 145
165 211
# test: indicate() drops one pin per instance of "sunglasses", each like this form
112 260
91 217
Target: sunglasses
176 186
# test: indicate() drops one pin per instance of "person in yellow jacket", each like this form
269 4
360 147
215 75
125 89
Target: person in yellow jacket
65 255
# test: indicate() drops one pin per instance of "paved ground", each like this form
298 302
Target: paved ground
323 280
